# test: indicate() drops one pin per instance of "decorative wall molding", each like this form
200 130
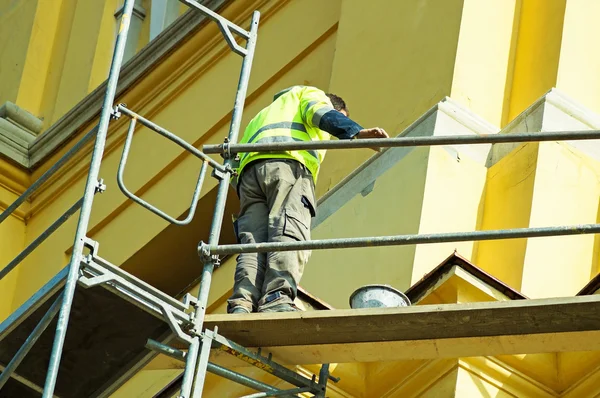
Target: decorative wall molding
18 129
29 151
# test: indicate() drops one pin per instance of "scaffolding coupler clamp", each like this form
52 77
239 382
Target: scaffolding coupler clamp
206 256
226 173
115 114
189 300
226 150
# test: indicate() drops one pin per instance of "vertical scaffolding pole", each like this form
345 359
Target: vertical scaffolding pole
199 367
91 187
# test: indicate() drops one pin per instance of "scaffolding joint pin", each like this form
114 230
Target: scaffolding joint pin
116 113
100 186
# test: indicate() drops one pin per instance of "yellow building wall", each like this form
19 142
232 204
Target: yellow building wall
397 198
16 21
91 23
484 60
538 44
55 52
567 187
387 80
493 59
452 200
12 231
578 65
507 204
59 48
36 68
541 185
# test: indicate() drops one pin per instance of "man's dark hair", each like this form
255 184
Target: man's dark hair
338 103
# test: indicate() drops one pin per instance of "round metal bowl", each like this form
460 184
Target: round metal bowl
378 296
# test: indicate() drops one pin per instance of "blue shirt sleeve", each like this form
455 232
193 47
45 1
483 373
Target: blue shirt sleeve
338 125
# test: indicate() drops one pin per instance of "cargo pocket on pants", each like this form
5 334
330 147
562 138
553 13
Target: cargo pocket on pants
295 227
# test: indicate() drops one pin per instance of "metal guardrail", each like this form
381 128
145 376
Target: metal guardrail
143 203
230 148
399 240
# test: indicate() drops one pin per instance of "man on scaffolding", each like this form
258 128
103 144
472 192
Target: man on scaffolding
277 193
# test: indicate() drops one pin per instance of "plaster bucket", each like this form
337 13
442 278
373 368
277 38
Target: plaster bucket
378 296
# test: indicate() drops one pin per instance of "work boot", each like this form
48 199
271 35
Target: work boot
283 307
278 302
239 310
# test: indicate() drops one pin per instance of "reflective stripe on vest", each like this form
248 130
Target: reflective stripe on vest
279 138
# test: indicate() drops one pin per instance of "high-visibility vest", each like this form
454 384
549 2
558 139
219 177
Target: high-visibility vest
294 115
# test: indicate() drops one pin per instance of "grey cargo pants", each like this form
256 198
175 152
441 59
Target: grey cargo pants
277 198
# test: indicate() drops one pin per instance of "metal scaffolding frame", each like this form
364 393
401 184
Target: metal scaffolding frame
185 318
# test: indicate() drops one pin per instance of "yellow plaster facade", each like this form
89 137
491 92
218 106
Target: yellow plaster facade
396 64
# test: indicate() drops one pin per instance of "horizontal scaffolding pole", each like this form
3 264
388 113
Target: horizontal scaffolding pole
49 173
241 379
216 17
170 136
401 240
216 369
405 142
264 363
40 239
279 393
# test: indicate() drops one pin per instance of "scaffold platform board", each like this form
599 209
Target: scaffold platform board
528 326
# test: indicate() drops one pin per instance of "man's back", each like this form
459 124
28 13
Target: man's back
294 115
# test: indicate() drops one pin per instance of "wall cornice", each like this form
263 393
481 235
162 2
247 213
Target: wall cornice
18 130
29 152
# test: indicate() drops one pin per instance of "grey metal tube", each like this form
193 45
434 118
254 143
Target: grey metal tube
49 173
408 141
402 240
278 393
190 366
88 198
219 211
31 340
323 378
179 307
240 378
170 136
201 367
40 239
255 359
215 17
165 349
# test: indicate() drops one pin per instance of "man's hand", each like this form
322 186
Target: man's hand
375 132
